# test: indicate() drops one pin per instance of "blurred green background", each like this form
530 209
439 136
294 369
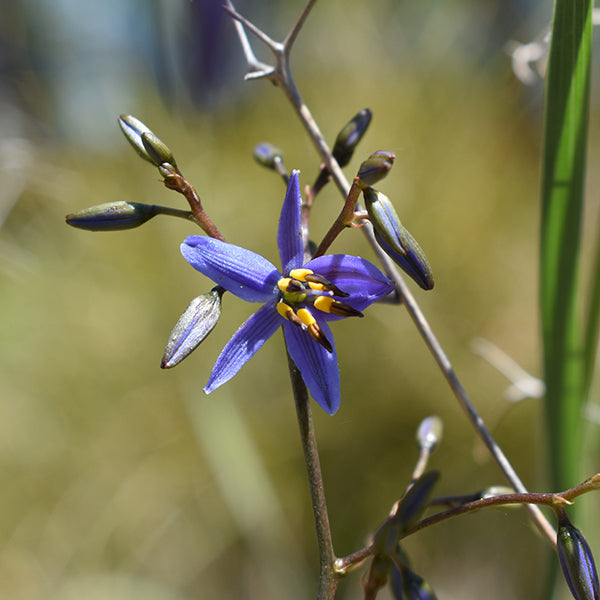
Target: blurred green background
120 480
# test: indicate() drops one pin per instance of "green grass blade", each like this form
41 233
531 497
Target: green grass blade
593 320
566 121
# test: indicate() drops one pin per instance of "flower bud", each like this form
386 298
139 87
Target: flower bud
377 576
497 490
429 434
415 587
112 216
406 513
395 239
349 137
375 168
157 150
576 560
345 144
152 149
267 154
192 328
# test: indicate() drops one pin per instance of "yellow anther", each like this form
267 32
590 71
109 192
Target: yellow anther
316 286
300 273
282 284
284 310
305 316
324 303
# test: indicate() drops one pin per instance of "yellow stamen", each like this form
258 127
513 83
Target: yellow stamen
317 286
283 283
313 328
324 303
306 317
300 273
284 310
287 312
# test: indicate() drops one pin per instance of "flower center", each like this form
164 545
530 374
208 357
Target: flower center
303 290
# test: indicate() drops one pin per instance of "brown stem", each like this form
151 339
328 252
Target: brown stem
327 576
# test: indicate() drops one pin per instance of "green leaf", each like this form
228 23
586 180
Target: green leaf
566 123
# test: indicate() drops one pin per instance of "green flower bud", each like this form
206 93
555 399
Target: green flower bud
157 150
267 155
145 142
375 168
429 434
497 490
133 129
395 239
192 328
349 137
112 216
576 560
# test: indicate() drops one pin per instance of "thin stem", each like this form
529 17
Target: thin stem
293 34
178 183
327 574
345 217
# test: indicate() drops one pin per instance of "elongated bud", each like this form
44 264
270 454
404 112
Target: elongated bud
385 220
406 513
267 154
349 137
375 168
112 216
345 144
576 560
415 587
497 490
377 576
270 156
429 434
194 325
157 150
152 148
395 239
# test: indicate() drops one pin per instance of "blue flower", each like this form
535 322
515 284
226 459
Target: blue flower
302 298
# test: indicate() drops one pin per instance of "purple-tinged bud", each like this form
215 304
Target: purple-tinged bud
407 512
576 560
385 220
112 216
345 144
429 434
415 587
395 239
349 137
192 328
270 157
375 168
267 155
157 150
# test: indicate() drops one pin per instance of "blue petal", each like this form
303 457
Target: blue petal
244 344
289 236
242 272
356 276
318 367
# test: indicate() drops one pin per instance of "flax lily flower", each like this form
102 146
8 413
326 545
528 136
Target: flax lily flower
300 297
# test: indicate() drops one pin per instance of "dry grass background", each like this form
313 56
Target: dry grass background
120 480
